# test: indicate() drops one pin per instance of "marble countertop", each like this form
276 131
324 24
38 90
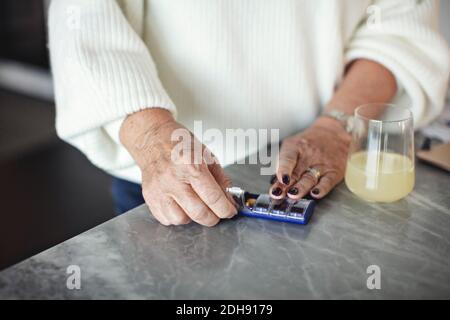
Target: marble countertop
132 256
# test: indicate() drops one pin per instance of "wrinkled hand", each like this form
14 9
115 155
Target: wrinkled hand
176 190
324 147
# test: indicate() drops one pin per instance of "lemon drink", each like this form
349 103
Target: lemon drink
380 176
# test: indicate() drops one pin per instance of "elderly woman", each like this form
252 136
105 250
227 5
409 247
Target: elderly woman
129 73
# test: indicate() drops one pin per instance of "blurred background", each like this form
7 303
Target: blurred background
49 190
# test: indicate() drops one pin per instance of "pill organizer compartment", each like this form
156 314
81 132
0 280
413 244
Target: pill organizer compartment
263 206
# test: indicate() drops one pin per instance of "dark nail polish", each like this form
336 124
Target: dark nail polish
276 192
273 179
293 191
316 191
286 179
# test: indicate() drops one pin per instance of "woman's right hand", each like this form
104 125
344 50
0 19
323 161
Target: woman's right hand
176 189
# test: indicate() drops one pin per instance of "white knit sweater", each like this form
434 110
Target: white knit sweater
230 63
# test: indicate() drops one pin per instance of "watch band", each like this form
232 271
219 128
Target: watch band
345 119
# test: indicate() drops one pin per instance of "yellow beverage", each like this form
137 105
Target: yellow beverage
380 177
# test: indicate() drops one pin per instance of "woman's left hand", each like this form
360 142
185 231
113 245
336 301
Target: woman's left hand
312 161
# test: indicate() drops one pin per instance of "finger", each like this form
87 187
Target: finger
325 185
207 188
287 161
278 191
300 168
302 187
173 213
219 175
194 207
222 179
155 209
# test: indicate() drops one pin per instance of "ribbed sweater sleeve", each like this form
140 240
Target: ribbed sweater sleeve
403 36
102 71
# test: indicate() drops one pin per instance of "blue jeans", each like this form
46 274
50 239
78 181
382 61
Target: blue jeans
126 195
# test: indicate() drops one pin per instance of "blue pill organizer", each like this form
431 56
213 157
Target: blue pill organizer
263 206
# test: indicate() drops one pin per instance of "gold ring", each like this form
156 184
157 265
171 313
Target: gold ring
314 172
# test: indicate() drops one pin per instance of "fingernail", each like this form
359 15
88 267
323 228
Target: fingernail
315 191
293 191
273 179
276 192
286 179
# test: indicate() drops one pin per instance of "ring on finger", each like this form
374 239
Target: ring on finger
314 172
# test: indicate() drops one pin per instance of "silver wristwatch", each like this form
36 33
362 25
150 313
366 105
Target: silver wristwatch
345 119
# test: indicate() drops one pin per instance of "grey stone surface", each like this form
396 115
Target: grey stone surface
133 256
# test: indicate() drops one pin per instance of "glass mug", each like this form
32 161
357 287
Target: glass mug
380 165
